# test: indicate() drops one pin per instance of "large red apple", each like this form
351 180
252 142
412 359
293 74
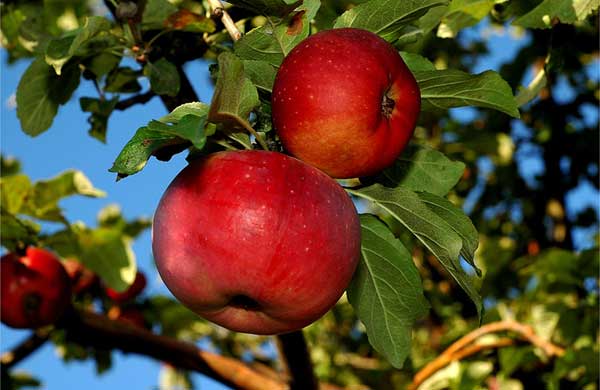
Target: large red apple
345 102
35 289
255 241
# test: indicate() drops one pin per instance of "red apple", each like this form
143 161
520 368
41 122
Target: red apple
345 102
138 285
257 242
82 278
35 289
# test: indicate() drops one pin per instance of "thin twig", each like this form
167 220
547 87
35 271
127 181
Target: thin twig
25 348
219 11
476 348
464 347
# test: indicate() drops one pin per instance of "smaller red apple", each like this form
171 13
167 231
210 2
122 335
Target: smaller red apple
82 278
345 102
35 289
133 291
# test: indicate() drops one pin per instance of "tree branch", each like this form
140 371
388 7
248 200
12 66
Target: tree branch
464 347
97 331
295 355
25 348
142 98
219 11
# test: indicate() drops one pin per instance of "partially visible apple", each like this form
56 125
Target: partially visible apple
35 289
345 102
82 278
138 285
255 241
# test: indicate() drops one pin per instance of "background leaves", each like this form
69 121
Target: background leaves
40 92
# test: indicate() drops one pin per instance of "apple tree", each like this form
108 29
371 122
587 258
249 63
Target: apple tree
477 264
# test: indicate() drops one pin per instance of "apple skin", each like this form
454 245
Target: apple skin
257 242
35 289
138 285
345 102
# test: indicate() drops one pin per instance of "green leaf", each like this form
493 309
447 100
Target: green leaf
235 96
103 360
268 7
197 109
423 169
415 62
17 380
9 166
100 112
106 251
156 12
109 254
40 92
68 183
565 11
11 21
40 200
463 13
164 77
13 192
272 42
243 139
458 221
184 125
111 217
561 270
101 64
386 291
17 232
123 80
261 73
59 51
434 221
443 89
386 18
174 318
43 198
511 358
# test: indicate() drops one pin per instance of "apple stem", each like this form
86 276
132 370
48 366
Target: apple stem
296 357
251 130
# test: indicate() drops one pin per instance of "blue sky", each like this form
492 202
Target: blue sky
67 145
